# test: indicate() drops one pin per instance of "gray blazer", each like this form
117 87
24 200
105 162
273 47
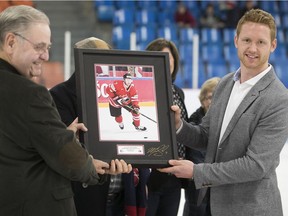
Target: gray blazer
38 155
240 172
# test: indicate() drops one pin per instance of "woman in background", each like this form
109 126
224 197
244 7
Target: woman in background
191 194
164 190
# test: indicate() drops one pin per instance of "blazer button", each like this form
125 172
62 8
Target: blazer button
84 185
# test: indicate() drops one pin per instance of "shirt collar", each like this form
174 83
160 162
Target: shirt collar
253 80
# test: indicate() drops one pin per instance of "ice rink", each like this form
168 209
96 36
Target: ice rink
110 130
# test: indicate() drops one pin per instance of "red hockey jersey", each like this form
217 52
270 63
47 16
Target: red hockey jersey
117 90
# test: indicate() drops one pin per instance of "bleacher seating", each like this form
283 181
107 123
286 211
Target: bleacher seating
121 36
228 36
145 17
211 35
217 52
168 32
230 52
145 34
281 71
147 4
217 69
124 16
104 10
212 52
186 35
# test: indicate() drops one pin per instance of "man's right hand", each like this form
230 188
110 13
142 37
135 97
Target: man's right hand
177 116
115 167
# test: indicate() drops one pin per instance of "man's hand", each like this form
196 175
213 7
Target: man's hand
116 167
180 168
75 126
177 116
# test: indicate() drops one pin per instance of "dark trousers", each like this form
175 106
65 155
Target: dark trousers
115 204
164 202
191 198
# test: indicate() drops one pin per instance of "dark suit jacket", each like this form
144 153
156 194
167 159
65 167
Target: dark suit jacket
36 151
243 179
92 200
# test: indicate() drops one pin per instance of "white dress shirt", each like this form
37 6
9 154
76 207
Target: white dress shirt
238 93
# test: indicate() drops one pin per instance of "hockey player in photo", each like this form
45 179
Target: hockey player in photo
123 94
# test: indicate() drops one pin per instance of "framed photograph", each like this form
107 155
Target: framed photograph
124 98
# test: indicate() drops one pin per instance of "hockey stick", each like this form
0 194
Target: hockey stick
132 109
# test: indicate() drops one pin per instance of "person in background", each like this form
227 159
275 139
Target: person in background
39 155
120 194
249 4
164 190
229 11
243 131
183 17
191 193
209 19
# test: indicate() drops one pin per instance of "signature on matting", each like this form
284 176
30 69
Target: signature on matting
158 151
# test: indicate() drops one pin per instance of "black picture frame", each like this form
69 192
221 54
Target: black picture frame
95 70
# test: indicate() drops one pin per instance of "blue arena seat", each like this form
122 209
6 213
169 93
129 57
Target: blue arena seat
281 70
145 34
280 53
125 4
285 21
145 17
230 52
217 69
211 35
167 5
212 52
228 35
188 74
147 4
165 17
121 36
192 5
270 6
283 7
124 16
186 35
104 10
281 40
168 32
186 52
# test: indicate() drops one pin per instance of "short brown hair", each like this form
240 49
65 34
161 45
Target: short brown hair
258 16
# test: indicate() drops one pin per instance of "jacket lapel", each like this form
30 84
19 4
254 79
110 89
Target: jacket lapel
247 101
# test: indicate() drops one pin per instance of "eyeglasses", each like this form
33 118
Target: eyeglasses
208 97
39 48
